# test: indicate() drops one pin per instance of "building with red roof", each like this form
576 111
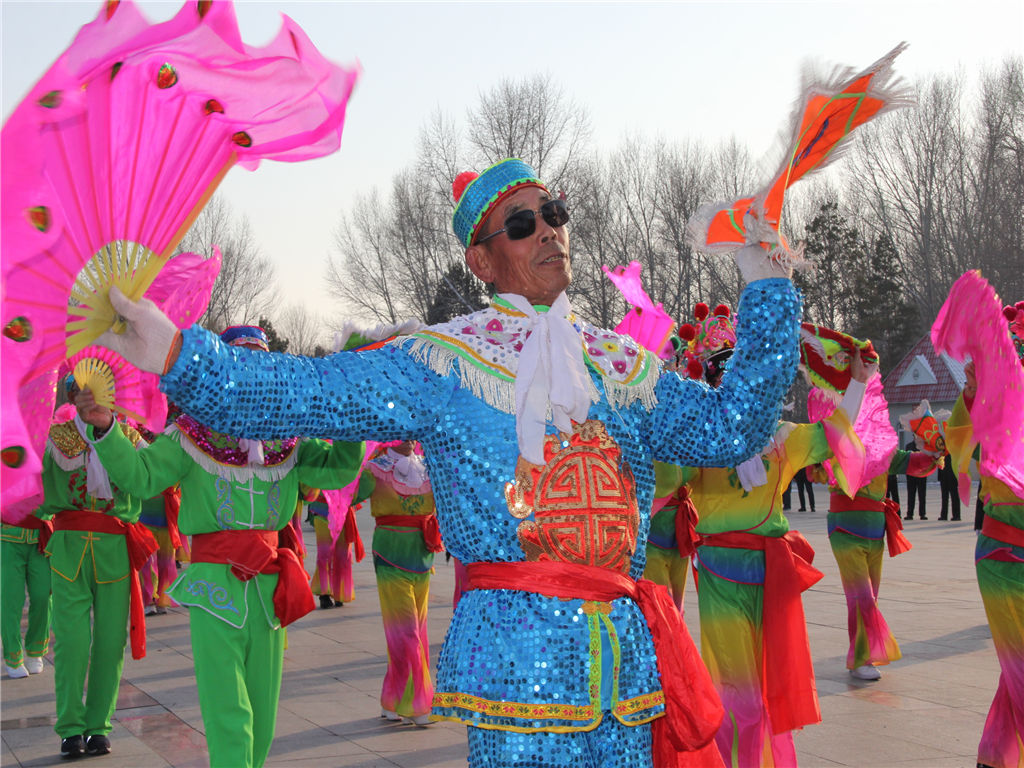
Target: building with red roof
922 374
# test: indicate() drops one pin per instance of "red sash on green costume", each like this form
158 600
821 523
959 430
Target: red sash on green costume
1000 531
898 543
172 506
693 711
252 552
426 523
141 544
787 670
33 523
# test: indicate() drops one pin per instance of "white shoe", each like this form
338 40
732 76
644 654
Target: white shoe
151 609
866 672
17 672
34 664
389 715
420 720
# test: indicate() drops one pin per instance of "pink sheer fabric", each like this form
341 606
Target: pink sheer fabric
123 140
646 322
971 324
872 427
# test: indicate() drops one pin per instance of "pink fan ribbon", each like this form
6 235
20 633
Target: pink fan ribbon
971 324
339 500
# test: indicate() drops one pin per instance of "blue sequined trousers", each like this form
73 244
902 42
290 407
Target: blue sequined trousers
610 745
511 660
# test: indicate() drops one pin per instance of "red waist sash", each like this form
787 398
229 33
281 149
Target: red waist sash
426 523
258 551
140 543
33 523
693 710
997 529
687 537
898 543
788 671
351 531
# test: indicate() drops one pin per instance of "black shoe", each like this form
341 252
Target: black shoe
339 604
909 517
326 602
924 517
943 518
955 519
802 509
72 747
97 745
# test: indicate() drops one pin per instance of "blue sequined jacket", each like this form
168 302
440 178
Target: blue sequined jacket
517 660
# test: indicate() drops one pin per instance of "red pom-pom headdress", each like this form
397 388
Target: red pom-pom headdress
709 339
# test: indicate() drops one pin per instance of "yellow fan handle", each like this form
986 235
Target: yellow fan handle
98 377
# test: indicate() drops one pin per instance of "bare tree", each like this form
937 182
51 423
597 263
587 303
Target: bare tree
364 273
534 120
303 329
905 172
245 288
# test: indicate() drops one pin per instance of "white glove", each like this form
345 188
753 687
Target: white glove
752 473
853 398
149 338
755 264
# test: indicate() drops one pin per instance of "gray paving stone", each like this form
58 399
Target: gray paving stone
927 710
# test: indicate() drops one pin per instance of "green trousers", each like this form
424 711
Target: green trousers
238 674
23 566
79 652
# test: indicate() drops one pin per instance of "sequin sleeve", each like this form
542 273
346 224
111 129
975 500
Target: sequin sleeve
381 394
695 425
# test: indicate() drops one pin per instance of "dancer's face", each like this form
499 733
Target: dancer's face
536 266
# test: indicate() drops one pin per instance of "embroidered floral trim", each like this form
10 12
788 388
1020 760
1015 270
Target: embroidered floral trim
488 344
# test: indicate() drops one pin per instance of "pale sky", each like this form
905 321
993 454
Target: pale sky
704 70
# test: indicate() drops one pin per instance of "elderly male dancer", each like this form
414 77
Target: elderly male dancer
540 432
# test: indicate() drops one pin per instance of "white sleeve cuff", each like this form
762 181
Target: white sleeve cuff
853 398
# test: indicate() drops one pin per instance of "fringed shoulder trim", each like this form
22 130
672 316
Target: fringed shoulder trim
239 474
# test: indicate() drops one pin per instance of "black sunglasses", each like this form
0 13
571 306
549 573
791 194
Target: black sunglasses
524 223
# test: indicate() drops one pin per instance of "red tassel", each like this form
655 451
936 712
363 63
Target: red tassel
694 369
722 310
701 311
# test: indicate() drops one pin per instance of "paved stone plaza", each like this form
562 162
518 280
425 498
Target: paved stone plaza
927 710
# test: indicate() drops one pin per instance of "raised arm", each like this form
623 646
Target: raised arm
695 425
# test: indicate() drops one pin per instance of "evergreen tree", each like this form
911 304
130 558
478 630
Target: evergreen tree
275 342
458 293
882 311
835 250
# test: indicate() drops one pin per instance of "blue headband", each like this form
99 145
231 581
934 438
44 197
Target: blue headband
236 335
486 191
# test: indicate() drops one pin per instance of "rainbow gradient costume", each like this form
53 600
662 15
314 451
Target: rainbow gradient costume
751 570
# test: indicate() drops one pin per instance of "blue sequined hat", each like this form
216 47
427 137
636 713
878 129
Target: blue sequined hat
478 194
237 335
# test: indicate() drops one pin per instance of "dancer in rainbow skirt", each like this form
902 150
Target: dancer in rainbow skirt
990 416
404 543
858 525
332 579
751 569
